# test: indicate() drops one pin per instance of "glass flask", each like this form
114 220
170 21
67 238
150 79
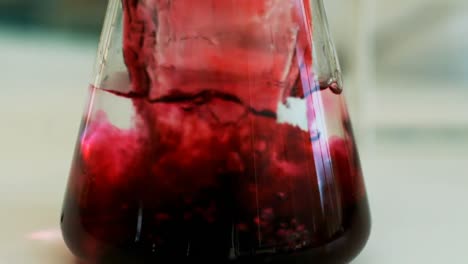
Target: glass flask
216 131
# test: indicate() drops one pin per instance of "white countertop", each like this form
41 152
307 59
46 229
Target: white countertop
418 190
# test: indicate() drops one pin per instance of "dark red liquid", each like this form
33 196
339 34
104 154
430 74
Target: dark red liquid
248 191
207 172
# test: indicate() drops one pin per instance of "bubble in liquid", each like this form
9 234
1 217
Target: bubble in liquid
267 214
300 228
293 222
281 196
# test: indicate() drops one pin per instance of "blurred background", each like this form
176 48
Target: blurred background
405 64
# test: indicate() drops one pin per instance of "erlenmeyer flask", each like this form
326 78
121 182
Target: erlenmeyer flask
216 131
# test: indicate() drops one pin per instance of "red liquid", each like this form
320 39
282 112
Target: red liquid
207 173
214 195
